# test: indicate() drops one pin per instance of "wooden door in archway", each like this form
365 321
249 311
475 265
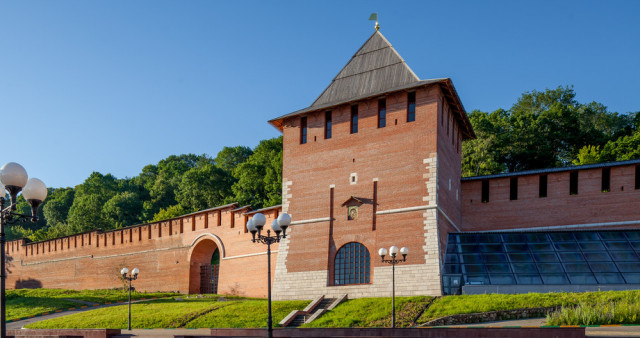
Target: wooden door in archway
209 275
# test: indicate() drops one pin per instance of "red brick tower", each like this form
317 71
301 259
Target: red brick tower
373 162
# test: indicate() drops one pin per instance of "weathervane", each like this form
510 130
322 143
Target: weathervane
374 16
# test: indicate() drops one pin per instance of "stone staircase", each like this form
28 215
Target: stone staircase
314 310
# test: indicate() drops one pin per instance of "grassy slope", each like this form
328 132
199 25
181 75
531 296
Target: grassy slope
168 313
95 296
29 302
623 310
451 305
246 314
363 312
372 312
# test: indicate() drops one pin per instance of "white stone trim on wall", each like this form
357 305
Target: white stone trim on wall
407 209
215 238
312 220
248 255
410 281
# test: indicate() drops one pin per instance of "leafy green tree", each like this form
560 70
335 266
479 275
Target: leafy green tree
86 211
588 155
58 203
86 214
168 179
624 148
204 187
542 130
168 213
260 176
230 157
123 209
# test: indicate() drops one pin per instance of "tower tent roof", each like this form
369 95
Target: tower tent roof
376 69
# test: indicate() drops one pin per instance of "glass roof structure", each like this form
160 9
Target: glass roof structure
541 258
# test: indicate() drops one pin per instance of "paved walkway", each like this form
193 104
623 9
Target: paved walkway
154 333
592 332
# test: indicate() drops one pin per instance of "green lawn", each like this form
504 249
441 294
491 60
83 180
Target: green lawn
619 310
95 296
29 302
612 307
372 312
170 313
246 314
451 305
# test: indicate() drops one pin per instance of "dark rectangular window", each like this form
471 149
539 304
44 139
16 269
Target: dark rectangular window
327 124
411 107
354 119
485 191
382 113
638 177
303 130
542 189
513 189
606 179
573 183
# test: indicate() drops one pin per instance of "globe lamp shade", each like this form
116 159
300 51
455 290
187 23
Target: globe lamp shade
34 192
393 250
404 251
13 174
124 271
259 220
276 227
382 252
135 271
284 220
251 226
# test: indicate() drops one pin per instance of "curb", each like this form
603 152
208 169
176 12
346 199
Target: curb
75 308
524 327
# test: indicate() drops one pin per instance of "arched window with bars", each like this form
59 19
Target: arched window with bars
352 265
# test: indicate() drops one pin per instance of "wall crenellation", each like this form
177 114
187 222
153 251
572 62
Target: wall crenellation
133 235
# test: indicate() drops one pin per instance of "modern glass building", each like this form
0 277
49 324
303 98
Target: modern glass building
517 262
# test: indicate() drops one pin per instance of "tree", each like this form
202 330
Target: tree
624 148
58 203
86 211
230 157
123 209
542 130
260 176
588 155
86 214
168 179
204 187
168 213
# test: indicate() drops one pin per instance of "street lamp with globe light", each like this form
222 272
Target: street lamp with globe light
14 179
393 261
279 225
132 277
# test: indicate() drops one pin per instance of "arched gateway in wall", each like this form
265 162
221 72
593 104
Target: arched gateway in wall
205 256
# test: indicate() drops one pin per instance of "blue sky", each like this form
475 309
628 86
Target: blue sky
111 86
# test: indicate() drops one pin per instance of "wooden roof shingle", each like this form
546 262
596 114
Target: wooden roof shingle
374 70
375 67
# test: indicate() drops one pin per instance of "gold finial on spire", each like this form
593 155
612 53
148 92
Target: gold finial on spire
374 16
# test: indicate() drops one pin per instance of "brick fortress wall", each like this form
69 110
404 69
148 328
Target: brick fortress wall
168 253
590 208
